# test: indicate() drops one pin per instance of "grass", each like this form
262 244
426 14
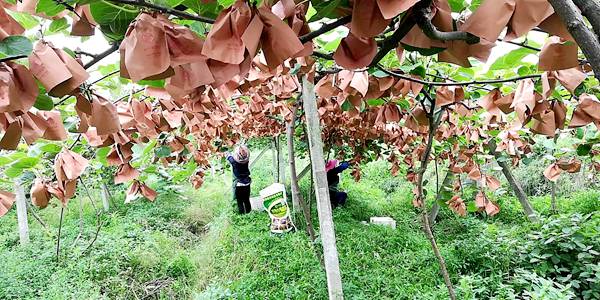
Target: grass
191 245
140 246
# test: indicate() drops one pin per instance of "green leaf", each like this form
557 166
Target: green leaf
15 45
471 207
162 151
333 45
579 133
457 5
511 59
310 12
346 105
43 102
419 70
101 155
49 7
51 148
113 19
168 3
210 10
378 73
404 104
200 28
324 9
474 5
13 172
584 149
375 102
464 74
226 3
26 20
494 132
5 160
153 83
70 52
26 162
58 25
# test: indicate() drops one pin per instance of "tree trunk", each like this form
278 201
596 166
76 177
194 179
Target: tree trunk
22 214
433 123
35 216
332 267
516 187
591 10
585 38
297 200
436 207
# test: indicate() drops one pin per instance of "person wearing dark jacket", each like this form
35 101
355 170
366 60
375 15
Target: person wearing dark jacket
241 178
333 170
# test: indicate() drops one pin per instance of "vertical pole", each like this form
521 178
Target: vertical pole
280 161
297 200
330 255
275 167
22 213
292 161
105 197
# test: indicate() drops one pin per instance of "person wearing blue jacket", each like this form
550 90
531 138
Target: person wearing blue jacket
336 197
241 178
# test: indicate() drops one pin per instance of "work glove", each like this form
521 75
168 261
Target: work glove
344 165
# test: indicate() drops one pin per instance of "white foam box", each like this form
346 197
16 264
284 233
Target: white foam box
385 221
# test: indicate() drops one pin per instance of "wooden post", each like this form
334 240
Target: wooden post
258 157
330 255
280 161
516 187
304 172
297 200
275 167
292 161
22 213
105 197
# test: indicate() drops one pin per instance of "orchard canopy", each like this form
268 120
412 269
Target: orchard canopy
403 80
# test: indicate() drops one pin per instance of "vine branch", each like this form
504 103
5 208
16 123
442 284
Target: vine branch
457 83
325 28
423 20
5 59
98 57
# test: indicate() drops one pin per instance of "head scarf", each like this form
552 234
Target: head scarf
331 164
242 154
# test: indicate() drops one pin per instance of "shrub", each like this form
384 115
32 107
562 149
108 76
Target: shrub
566 249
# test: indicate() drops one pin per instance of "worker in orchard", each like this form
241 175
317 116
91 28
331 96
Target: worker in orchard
336 196
241 177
